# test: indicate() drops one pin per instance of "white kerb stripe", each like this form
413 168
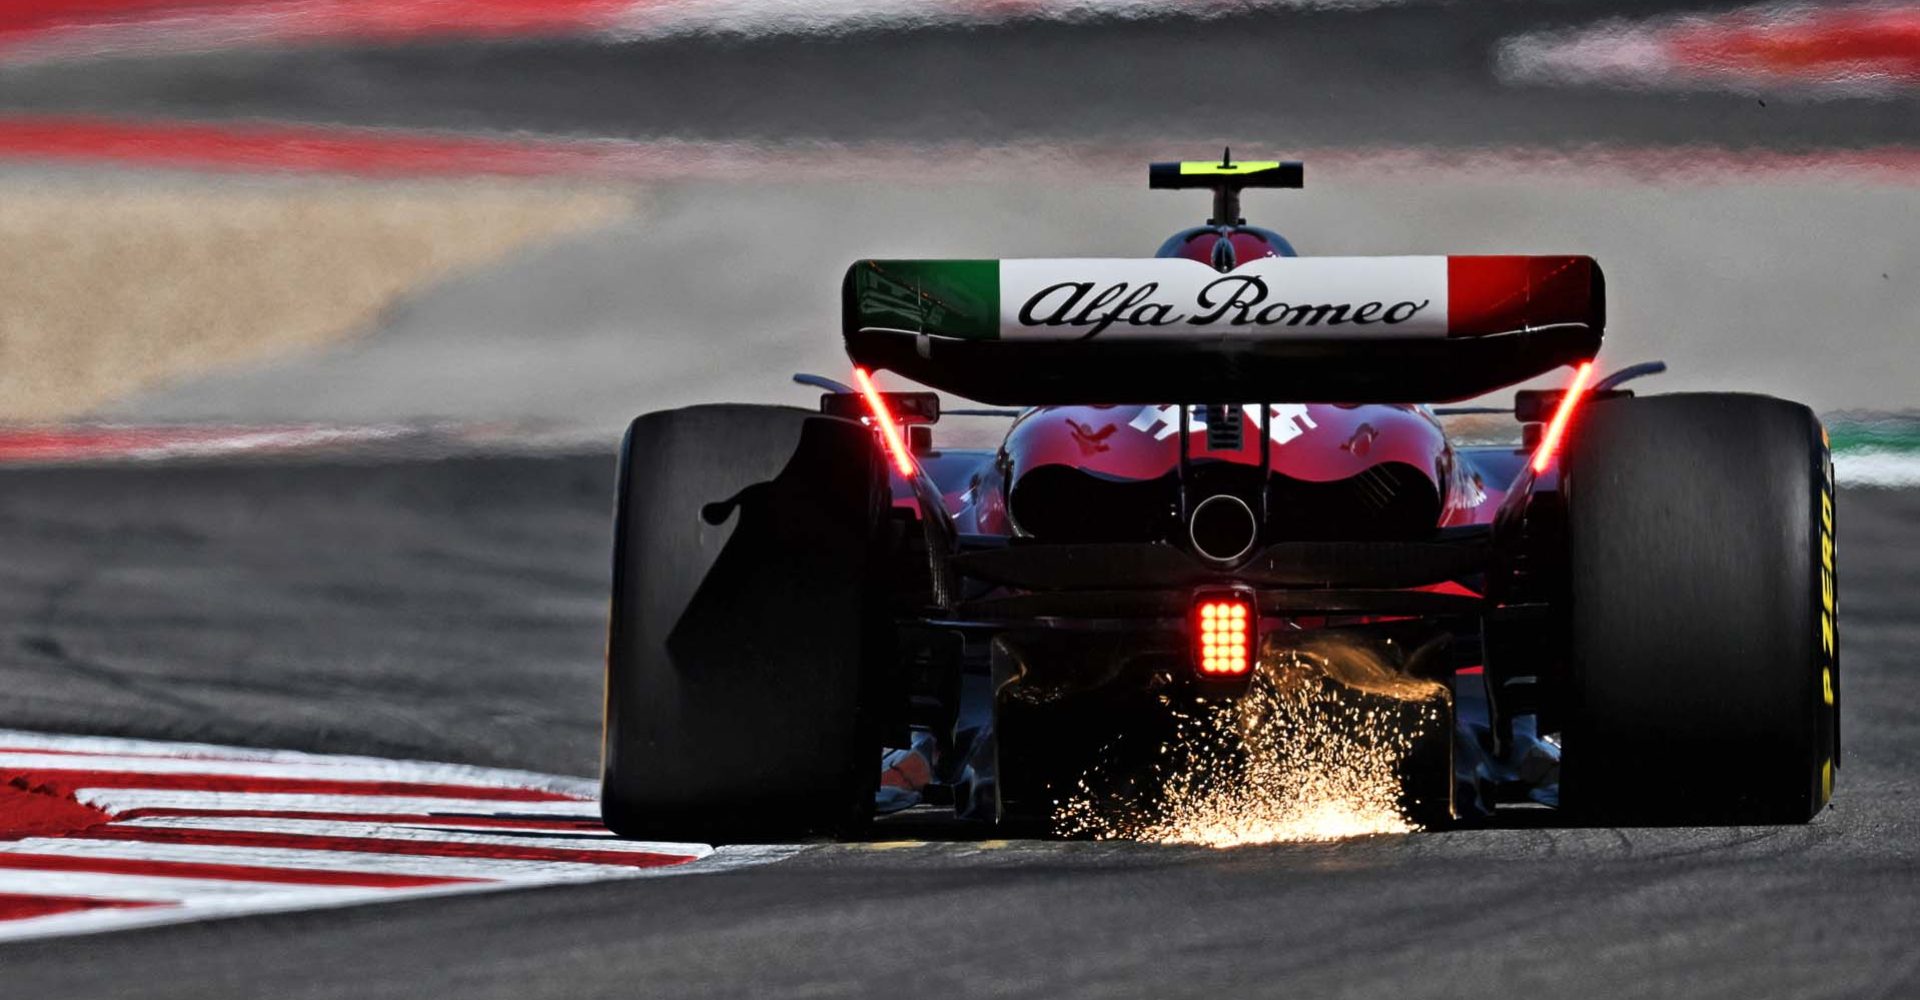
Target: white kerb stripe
122 800
370 771
443 773
150 888
396 831
490 869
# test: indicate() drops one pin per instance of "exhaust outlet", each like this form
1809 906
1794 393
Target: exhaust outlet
1223 528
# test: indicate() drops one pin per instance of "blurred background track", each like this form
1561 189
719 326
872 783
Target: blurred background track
775 142
1758 152
1293 75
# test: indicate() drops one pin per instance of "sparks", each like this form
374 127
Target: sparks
1300 758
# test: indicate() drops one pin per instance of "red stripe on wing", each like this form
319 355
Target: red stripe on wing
1496 294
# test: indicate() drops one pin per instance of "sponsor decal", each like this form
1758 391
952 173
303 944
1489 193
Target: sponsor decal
1829 615
1827 612
1290 420
1344 296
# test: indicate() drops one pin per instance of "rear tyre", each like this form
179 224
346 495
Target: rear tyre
1703 668
747 626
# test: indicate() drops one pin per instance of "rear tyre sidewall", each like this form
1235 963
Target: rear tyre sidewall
747 626
1703 640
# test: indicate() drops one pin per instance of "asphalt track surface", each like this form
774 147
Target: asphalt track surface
450 608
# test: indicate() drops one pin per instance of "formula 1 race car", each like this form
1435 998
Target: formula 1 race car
1627 615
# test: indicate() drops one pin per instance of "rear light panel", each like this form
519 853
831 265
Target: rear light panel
1226 634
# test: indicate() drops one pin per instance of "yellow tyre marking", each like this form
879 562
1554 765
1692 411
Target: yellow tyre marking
1826 684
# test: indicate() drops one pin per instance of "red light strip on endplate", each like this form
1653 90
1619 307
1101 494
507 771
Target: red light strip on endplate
1550 444
877 405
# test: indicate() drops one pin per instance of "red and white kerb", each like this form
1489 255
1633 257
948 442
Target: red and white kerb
103 834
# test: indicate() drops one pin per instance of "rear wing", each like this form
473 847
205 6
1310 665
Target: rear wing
1169 330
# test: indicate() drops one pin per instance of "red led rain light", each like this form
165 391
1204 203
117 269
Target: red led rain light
1224 632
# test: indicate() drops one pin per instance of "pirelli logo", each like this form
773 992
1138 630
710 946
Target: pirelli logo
1827 604
1829 616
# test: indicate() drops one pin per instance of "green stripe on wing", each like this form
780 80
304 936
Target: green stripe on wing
945 298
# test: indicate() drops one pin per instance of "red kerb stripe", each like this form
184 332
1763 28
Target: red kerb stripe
1862 38
38 15
364 19
14 906
225 873
288 147
69 753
